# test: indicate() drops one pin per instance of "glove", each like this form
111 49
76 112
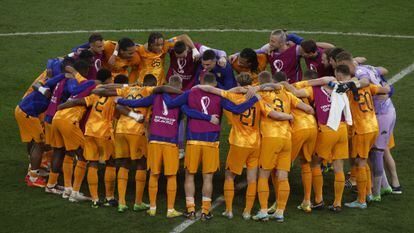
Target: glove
342 88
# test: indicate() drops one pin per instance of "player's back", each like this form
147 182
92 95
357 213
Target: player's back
99 123
245 127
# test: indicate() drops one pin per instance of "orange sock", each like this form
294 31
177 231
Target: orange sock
250 196
67 168
263 193
339 185
153 189
362 184
79 174
369 180
140 179
229 194
206 205
354 173
93 182
190 204
306 173
283 194
317 183
53 177
122 184
171 191
274 182
110 177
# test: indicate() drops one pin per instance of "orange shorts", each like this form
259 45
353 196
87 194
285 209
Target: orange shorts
332 145
303 143
48 133
130 146
30 127
362 144
391 144
240 156
98 149
275 153
66 134
207 155
160 154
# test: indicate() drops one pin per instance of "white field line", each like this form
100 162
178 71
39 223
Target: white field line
401 74
220 200
363 34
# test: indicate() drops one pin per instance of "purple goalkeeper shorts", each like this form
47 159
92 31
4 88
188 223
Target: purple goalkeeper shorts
386 123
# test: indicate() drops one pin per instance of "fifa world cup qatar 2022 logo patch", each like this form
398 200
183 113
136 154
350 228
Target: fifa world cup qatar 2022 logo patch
205 102
278 64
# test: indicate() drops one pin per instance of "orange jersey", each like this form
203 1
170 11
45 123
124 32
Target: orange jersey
99 123
245 127
40 79
363 112
262 60
73 114
121 65
280 101
125 124
302 119
153 63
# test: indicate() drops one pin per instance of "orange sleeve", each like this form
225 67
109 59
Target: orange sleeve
262 59
169 44
90 100
374 89
109 47
80 78
294 101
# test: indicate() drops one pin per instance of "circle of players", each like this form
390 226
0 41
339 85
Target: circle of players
111 103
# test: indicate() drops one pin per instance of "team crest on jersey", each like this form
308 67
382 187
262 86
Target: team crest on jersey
278 64
205 102
218 75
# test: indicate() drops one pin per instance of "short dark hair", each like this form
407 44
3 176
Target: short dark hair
103 75
121 79
153 36
67 61
343 69
310 74
150 80
279 76
244 79
95 37
343 56
309 46
265 77
209 78
86 55
125 43
179 47
82 67
335 51
251 57
209 55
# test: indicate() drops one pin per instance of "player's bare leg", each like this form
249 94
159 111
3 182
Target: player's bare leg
207 192
189 188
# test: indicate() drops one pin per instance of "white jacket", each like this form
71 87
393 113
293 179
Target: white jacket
339 104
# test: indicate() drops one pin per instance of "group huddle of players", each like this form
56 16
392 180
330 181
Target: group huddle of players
112 103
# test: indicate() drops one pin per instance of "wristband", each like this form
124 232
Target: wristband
125 85
115 53
43 90
331 84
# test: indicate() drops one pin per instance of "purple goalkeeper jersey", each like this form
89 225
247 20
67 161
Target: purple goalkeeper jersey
287 61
